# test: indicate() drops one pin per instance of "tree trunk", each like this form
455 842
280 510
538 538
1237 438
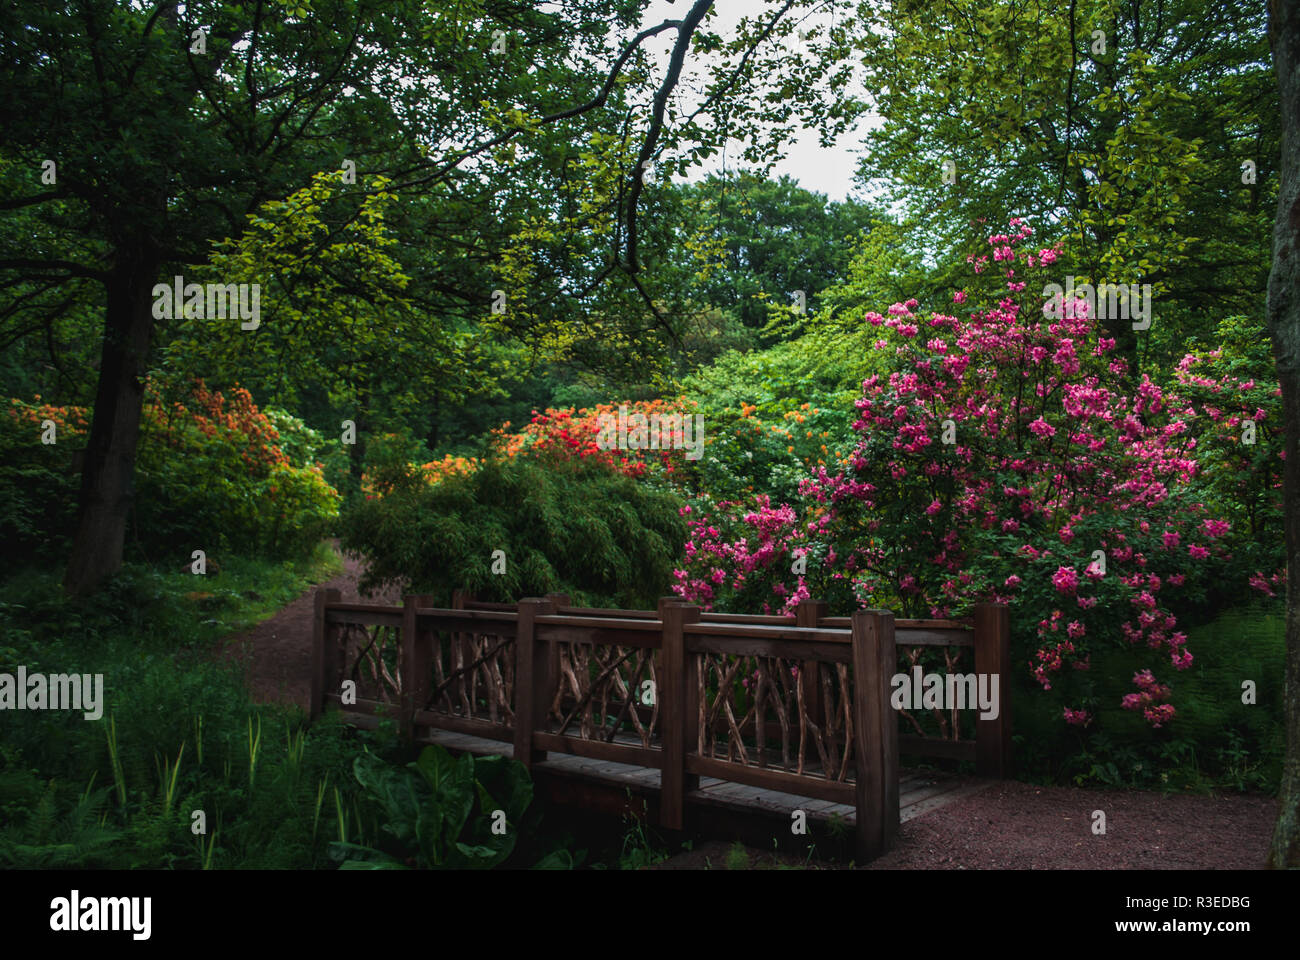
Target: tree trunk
1284 326
107 477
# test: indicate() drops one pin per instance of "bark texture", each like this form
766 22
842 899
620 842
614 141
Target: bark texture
1284 327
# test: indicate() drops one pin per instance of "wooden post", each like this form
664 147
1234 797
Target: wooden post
806 615
673 705
417 662
532 676
324 653
875 733
993 659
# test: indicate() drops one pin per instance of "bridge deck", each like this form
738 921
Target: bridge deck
919 791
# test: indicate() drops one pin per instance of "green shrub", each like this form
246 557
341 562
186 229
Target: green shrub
571 526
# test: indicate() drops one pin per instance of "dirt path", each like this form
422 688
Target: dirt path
277 652
1010 825
1020 825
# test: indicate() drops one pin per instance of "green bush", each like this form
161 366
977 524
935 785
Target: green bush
573 526
38 488
442 813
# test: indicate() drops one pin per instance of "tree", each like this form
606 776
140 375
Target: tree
1284 327
772 238
169 125
1144 132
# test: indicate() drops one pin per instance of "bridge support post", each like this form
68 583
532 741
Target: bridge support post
806 615
875 660
532 680
675 697
417 662
993 659
324 651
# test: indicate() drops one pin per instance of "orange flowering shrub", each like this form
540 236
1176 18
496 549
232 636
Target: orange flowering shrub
210 474
561 433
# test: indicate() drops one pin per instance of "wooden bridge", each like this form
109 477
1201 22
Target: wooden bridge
704 717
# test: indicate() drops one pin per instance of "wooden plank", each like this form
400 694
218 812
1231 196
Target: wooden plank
375 617
758 632
635 624
363 705
580 768
804 786
603 636
474 726
757 619
842 810
600 750
745 647
919 793
915 746
465 743
915 810
905 624
934 638
476 621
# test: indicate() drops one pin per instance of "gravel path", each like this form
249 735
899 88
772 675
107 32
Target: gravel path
1023 826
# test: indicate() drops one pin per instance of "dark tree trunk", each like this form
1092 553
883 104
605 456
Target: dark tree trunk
107 478
1284 326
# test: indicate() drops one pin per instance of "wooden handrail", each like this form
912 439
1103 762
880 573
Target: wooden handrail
678 637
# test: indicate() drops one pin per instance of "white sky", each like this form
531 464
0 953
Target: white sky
824 170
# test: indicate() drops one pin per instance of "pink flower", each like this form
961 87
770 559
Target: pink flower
1042 428
1065 580
1079 718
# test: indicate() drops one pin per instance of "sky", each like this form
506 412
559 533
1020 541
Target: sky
824 170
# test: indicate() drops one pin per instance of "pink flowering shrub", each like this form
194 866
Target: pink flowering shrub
1009 456
741 558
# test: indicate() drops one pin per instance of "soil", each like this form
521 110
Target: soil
1010 825
277 652
1020 826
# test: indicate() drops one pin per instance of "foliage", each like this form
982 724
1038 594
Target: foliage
38 484
1126 124
74 797
572 526
1003 459
212 474
745 228
440 812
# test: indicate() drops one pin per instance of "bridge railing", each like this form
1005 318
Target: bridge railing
799 704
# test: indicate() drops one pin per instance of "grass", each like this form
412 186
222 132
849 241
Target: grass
180 742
